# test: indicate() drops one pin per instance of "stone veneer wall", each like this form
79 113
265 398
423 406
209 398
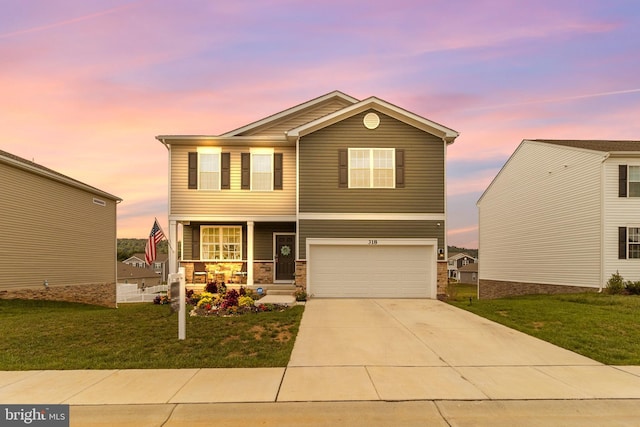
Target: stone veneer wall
103 294
490 289
301 275
263 273
442 277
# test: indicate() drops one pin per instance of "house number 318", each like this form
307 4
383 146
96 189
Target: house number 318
373 242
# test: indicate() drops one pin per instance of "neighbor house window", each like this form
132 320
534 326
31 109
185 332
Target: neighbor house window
371 168
209 168
634 242
634 181
221 243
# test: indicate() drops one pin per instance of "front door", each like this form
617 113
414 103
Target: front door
285 256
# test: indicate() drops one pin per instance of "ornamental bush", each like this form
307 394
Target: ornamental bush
633 288
615 284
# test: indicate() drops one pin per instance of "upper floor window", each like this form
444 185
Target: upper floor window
262 169
209 168
628 181
221 243
372 168
634 181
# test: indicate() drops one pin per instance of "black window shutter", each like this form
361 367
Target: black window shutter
195 242
193 170
277 171
245 171
225 160
622 242
343 168
399 168
622 180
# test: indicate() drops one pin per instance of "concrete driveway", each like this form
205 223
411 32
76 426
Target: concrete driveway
395 349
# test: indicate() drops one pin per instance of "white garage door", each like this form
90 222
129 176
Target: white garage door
371 271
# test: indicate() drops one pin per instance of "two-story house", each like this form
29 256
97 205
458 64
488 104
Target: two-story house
344 197
159 265
456 262
561 216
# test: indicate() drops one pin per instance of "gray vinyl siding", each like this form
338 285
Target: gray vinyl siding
262 238
279 127
53 231
368 229
235 201
424 190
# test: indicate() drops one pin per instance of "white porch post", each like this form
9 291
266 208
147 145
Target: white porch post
173 247
250 253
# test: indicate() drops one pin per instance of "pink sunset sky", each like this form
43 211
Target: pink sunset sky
86 85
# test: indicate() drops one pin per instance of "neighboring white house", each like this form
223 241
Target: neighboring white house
561 216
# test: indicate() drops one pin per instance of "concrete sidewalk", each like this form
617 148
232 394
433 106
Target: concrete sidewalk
420 361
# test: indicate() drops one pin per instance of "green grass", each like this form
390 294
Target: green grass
58 335
600 326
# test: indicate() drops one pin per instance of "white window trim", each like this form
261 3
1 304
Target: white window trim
629 180
210 150
220 227
629 243
261 151
371 168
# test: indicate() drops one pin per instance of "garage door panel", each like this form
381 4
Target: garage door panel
362 271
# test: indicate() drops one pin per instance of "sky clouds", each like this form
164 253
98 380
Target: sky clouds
86 85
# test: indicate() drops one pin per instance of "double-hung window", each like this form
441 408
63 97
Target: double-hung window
634 181
221 243
371 168
209 168
262 169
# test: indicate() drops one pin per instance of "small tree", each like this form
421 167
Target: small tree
615 284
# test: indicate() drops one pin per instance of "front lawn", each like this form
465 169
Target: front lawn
600 326
58 335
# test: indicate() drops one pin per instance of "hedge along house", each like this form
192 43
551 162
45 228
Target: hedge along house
561 216
344 198
58 236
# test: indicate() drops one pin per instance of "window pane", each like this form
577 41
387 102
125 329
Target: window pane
634 173
359 169
634 189
383 168
262 175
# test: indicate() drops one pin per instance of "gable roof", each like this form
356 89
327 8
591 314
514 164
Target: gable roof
606 146
243 135
126 271
469 268
336 94
447 134
458 256
29 166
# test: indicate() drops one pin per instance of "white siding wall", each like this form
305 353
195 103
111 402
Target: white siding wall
619 212
540 218
233 202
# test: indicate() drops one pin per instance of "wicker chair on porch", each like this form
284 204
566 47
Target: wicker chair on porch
199 273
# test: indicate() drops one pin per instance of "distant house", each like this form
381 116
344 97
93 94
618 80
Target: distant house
58 235
561 216
468 274
159 266
456 262
343 197
142 276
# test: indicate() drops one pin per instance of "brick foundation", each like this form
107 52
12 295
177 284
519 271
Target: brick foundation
491 289
263 273
103 294
442 277
301 275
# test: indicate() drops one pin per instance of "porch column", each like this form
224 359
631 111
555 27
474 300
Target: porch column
250 253
173 247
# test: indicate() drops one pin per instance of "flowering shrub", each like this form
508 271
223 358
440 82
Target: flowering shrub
245 301
231 303
211 287
161 299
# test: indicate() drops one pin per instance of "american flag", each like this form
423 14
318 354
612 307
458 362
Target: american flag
154 237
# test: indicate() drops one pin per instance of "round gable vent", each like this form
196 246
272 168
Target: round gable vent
371 121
